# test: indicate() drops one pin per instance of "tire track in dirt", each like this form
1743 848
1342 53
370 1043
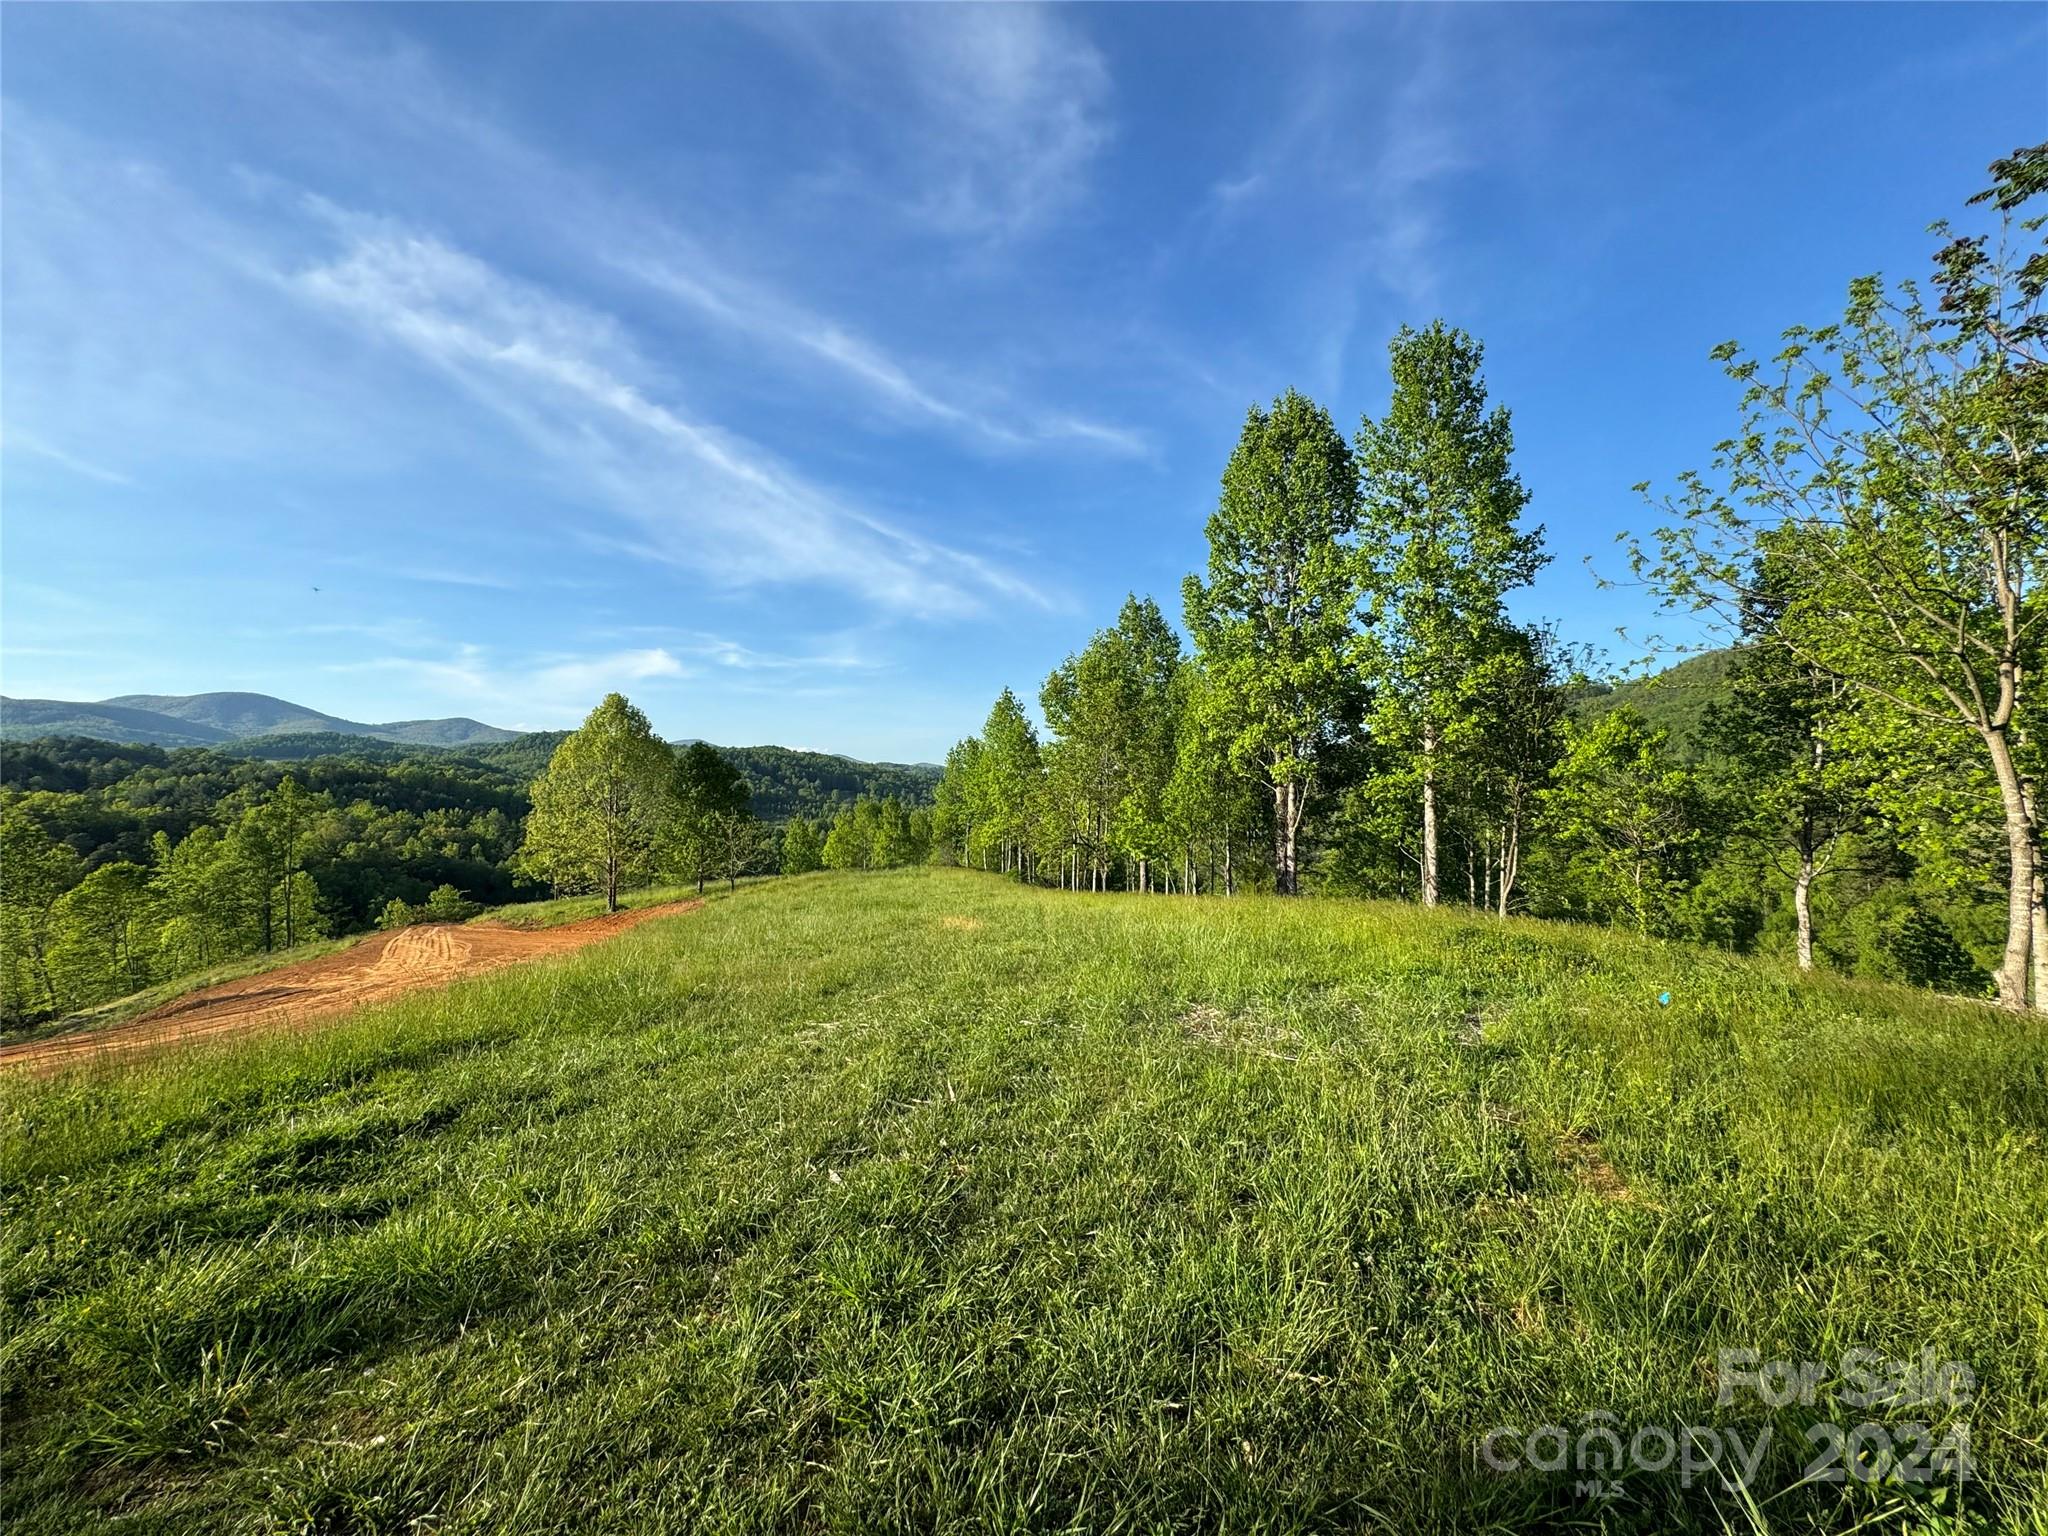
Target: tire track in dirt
295 996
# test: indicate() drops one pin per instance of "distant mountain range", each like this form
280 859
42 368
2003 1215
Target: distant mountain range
211 719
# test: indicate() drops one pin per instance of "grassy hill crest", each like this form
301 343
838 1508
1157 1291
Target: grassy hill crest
895 1197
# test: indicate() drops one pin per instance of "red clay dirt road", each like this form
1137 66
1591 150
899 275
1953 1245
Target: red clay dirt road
294 996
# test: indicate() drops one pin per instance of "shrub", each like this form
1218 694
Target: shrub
398 914
448 905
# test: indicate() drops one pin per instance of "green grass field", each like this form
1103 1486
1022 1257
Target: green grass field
574 909
921 1201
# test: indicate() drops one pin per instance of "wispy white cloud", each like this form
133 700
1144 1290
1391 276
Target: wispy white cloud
586 677
574 384
1425 141
144 355
926 396
699 496
444 577
1020 101
839 655
403 630
1231 191
1010 105
995 112
536 692
1373 131
12 440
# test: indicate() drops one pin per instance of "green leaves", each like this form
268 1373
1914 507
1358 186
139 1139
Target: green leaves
877 834
1635 823
1891 480
35 872
1112 709
1007 786
709 828
1275 621
1439 548
601 805
803 850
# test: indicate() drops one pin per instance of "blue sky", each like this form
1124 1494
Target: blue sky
811 374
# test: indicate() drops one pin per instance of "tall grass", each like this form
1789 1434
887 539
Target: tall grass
574 909
921 1201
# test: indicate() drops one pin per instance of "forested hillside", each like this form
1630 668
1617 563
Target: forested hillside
784 781
122 865
1680 700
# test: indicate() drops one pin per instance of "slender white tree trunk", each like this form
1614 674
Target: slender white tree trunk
2040 937
2014 968
1429 880
1802 906
1286 816
1510 859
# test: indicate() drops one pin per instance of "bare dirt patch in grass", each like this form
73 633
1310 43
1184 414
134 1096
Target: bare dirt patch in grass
1580 1154
1240 1032
293 996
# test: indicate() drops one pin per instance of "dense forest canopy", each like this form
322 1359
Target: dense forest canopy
784 782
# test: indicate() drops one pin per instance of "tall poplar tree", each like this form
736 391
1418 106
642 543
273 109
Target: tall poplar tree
600 804
1441 547
1110 707
954 802
1515 707
1210 809
1152 660
710 816
1275 622
1010 774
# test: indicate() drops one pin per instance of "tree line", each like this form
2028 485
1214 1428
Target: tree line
616 807
1353 709
1358 711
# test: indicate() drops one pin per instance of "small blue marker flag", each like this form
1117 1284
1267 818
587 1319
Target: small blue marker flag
1663 999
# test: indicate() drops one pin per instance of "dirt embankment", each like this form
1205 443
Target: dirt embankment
294 996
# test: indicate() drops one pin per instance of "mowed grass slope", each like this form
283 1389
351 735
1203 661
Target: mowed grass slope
921 1201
